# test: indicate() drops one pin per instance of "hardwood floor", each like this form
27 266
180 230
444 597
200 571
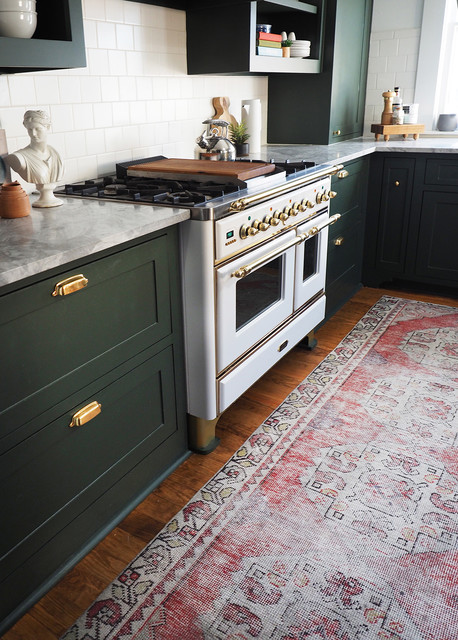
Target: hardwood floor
57 610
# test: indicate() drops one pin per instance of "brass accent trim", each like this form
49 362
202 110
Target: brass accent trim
247 269
86 414
342 174
242 203
201 434
69 285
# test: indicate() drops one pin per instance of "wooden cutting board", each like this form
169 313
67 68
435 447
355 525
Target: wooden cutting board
232 169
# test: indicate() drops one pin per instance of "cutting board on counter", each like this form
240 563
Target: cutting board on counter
173 167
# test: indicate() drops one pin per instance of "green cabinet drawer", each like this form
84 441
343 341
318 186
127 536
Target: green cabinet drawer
349 185
48 341
442 171
51 477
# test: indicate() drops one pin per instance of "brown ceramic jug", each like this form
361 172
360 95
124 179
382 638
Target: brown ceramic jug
14 202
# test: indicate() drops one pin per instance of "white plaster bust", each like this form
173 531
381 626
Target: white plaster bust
38 163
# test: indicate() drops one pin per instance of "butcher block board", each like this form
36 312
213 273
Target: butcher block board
404 130
224 169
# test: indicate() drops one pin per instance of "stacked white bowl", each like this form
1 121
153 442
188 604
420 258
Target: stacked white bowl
299 48
18 18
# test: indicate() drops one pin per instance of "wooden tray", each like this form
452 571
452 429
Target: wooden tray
397 129
176 166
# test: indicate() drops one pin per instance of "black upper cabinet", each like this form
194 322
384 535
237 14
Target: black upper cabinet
58 42
221 38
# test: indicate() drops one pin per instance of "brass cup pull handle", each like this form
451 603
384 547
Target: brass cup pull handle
86 414
69 285
339 241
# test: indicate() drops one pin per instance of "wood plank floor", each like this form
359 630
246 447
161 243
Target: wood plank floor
57 610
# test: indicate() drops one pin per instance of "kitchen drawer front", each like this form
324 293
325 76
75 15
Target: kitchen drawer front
124 308
344 248
442 172
51 477
349 189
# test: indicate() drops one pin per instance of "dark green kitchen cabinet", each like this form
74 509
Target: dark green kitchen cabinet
346 236
92 410
328 106
412 220
58 42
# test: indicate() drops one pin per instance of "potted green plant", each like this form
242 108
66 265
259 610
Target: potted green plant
239 135
286 48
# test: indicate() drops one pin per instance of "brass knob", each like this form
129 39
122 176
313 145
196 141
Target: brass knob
336 133
277 214
246 231
271 221
293 211
309 204
284 216
397 183
261 226
332 194
319 197
325 196
342 174
339 241
86 414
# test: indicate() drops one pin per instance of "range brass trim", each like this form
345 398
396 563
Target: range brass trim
69 285
242 203
86 414
247 269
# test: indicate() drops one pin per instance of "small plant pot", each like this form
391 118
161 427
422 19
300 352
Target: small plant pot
14 202
242 149
286 52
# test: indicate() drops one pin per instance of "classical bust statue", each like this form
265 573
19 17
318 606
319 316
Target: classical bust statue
38 163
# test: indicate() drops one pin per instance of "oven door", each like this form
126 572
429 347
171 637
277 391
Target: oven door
254 295
311 260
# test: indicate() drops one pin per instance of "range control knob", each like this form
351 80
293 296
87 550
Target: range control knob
246 231
284 215
307 203
325 196
319 197
260 226
296 208
271 221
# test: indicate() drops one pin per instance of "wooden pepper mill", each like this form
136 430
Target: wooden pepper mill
387 114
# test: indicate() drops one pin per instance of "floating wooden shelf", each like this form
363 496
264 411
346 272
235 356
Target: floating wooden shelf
386 130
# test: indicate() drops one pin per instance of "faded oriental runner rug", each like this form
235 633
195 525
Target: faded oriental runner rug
336 520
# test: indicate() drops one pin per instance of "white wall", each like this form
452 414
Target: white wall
133 100
393 53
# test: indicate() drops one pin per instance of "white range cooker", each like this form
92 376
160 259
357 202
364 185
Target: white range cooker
253 267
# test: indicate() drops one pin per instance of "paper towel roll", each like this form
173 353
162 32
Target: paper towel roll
251 114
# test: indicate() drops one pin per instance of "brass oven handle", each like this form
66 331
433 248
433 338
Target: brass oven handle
247 269
242 203
86 414
69 285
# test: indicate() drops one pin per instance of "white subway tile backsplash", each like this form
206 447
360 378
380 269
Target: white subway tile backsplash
95 141
121 113
106 35
94 9
76 142
114 10
396 63
47 89
90 34
125 37
69 89
103 115
132 13
22 90
90 89
83 117
137 111
61 117
109 87
117 64
408 45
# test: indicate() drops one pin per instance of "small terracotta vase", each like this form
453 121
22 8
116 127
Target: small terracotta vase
14 202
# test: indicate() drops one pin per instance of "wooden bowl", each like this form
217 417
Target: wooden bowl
14 202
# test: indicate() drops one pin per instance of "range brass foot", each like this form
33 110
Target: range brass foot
309 341
201 434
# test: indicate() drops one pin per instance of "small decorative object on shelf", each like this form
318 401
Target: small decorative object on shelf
239 136
38 163
286 48
447 122
14 202
387 113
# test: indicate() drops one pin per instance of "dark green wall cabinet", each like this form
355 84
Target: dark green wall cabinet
412 221
58 42
346 236
113 349
329 106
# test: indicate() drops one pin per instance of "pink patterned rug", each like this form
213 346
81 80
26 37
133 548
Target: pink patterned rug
336 520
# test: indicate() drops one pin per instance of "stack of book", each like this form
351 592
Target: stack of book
268 44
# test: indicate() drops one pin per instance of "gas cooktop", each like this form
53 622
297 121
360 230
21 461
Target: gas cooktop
121 187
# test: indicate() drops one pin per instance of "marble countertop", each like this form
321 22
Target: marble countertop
80 228
48 238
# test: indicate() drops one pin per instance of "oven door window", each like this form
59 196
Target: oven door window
251 307
311 263
257 292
